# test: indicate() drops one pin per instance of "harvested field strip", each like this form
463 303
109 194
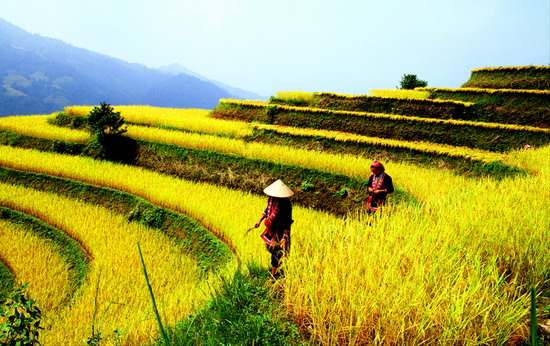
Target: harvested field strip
528 107
234 146
122 301
417 107
544 69
207 250
538 94
72 252
488 136
483 108
36 260
399 95
462 159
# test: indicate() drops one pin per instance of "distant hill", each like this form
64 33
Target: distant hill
40 75
176 68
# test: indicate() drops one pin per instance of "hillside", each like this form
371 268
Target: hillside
42 75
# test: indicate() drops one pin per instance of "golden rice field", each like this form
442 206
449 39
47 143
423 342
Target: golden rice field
294 95
121 300
189 119
455 270
411 176
400 93
45 268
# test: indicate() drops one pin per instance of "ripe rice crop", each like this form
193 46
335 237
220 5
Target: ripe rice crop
352 165
456 270
513 68
295 95
397 93
400 94
169 192
524 92
45 269
122 301
478 155
188 119
36 125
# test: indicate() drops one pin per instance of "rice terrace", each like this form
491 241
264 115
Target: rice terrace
147 243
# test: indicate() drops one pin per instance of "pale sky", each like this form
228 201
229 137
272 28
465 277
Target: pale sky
264 46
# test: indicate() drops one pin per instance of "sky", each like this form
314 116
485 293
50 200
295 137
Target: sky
265 46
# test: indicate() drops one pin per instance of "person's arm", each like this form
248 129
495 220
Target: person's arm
260 221
264 215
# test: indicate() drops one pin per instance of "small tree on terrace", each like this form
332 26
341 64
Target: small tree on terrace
410 81
102 122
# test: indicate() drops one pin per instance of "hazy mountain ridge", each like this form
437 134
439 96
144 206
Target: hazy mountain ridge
40 75
176 68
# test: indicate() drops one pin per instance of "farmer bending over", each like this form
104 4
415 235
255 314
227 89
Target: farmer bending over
379 185
278 218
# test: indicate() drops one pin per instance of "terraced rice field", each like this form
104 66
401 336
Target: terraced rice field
451 259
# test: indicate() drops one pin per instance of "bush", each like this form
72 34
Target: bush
103 119
410 81
64 147
70 121
104 123
21 318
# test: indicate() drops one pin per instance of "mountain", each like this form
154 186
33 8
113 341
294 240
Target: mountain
40 75
176 69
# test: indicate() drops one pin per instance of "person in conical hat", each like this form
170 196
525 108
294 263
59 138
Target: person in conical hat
278 218
379 186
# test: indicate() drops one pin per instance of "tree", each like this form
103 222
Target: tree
104 123
104 120
410 81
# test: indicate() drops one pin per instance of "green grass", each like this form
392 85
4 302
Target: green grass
245 311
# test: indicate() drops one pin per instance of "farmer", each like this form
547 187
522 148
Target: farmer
379 185
278 218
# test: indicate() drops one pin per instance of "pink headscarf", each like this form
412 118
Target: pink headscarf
378 165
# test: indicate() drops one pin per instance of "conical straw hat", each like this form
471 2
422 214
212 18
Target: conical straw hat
278 189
